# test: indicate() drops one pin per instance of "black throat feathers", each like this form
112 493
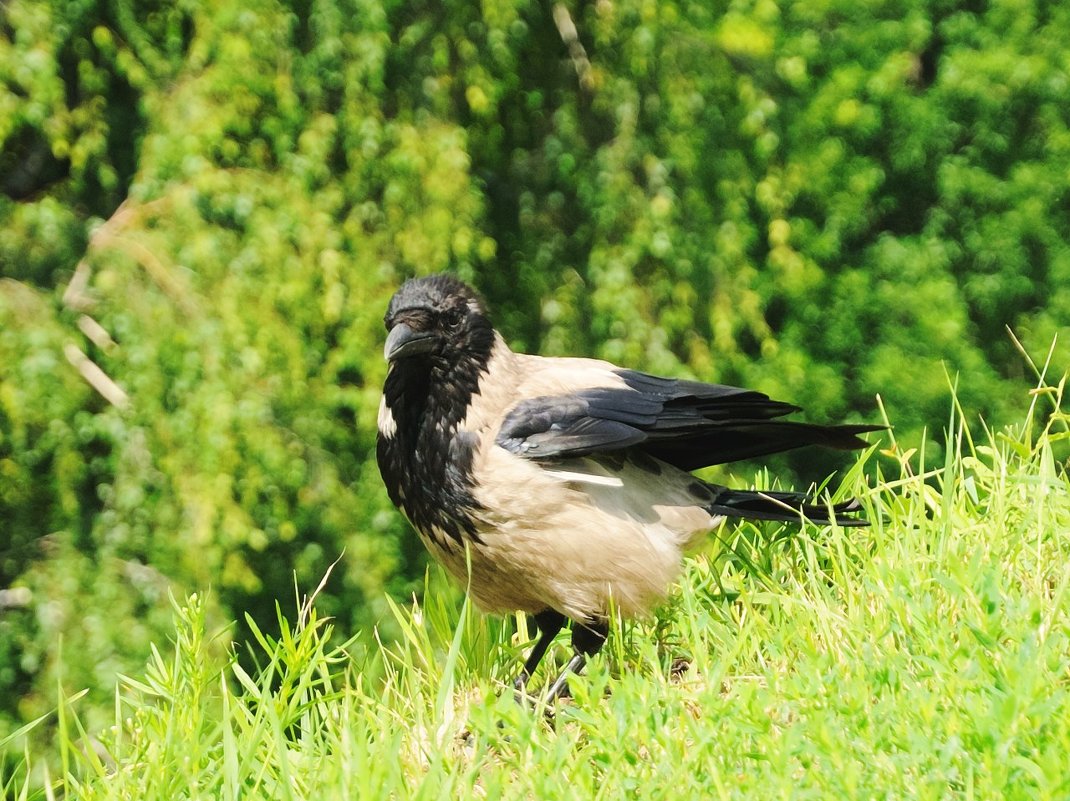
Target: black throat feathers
425 461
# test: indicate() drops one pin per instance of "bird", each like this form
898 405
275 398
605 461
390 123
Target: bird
562 487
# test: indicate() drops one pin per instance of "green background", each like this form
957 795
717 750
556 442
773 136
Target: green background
204 208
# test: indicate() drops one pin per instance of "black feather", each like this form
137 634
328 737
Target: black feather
787 507
586 422
685 423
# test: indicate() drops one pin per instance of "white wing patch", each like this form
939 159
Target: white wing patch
585 478
387 426
584 471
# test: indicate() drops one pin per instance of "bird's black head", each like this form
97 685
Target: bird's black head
439 323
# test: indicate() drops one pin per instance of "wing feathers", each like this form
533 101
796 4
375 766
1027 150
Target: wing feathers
684 423
783 506
712 400
581 437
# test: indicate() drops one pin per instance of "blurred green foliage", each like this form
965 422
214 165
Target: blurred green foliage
205 206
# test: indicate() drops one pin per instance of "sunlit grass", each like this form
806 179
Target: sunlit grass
927 656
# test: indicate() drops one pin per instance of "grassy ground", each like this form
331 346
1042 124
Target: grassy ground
927 656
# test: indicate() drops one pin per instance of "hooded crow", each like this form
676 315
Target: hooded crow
561 487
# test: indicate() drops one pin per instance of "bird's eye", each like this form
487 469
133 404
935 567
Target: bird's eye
454 317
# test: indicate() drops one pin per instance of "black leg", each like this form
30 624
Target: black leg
587 640
549 623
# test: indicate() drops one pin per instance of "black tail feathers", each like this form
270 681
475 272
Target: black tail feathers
786 507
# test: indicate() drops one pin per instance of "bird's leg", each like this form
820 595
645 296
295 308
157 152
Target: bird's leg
549 623
587 640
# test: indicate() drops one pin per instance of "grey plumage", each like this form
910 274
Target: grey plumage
566 480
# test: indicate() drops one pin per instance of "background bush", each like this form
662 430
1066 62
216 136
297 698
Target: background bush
205 206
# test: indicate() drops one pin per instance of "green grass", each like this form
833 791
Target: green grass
927 656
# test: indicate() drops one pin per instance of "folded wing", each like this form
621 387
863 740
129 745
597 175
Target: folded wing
685 423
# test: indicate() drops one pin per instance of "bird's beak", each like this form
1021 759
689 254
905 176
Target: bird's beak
403 342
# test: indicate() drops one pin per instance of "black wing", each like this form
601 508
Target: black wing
685 423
